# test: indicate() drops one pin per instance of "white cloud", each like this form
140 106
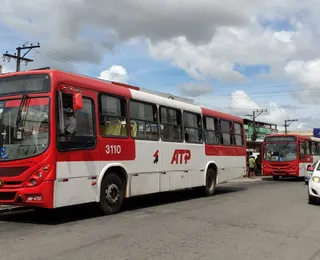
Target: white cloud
242 104
241 101
229 46
115 73
308 117
307 75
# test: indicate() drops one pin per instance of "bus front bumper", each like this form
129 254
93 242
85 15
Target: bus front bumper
39 196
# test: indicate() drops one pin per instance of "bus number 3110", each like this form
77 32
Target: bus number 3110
113 149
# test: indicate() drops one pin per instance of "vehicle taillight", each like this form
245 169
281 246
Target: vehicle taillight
36 178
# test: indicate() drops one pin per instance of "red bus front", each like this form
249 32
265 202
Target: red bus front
27 169
28 144
280 156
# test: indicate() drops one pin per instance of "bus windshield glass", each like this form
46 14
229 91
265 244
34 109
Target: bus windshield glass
24 84
280 152
24 127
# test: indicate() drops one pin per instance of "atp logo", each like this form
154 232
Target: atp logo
180 156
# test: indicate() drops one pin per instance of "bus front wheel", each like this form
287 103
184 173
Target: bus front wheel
111 194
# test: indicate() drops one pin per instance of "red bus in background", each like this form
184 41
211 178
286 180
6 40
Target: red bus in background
70 139
288 155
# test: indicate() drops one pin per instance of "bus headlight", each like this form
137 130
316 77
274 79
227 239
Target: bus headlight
316 179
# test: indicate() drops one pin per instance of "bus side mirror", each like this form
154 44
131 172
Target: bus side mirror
77 101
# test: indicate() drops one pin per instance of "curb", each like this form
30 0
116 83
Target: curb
246 179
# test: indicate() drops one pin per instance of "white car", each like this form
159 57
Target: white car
314 184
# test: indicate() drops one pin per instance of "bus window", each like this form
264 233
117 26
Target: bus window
212 130
301 146
144 116
238 136
112 116
226 133
313 148
307 148
171 124
78 125
318 148
193 127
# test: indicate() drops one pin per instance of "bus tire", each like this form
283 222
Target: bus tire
210 187
111 194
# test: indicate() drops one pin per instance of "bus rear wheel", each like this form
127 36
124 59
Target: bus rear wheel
111 194
210 186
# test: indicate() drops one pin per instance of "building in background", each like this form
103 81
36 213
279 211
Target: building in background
256 133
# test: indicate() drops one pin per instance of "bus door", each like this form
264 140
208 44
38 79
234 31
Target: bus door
77 164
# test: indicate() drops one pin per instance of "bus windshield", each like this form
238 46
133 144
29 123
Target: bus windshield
23 127
280 152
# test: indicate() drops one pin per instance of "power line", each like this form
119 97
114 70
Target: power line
17 56
287 123
255 114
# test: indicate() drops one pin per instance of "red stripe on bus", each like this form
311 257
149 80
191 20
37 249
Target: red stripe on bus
29 102
219 150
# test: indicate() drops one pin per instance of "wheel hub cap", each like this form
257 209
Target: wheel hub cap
112 194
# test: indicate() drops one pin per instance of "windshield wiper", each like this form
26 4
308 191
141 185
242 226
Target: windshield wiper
23 101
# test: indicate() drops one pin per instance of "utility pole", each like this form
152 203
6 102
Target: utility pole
255 114
288 123
17 56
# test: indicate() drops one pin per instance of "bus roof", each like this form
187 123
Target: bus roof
123 90
306 137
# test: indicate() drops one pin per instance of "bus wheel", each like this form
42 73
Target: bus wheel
210 187
275 177
111 194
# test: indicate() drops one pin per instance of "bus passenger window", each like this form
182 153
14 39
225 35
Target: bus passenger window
238 135
226 134
171 124
112 116
211 128
193 127
144 120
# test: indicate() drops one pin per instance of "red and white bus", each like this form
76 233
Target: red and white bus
288 155
126 142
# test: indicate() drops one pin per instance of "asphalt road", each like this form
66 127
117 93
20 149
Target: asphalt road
254 220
